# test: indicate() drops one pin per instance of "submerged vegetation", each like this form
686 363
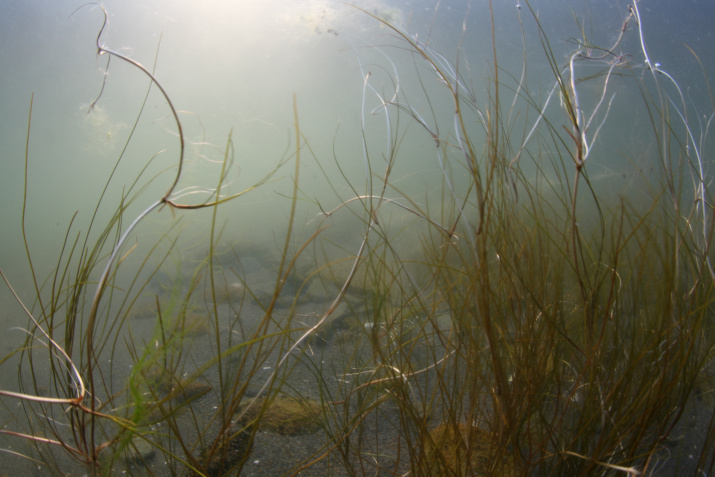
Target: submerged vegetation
517 318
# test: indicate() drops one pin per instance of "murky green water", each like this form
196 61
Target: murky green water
233 71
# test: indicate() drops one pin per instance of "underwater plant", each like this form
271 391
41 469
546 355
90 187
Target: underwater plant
503 312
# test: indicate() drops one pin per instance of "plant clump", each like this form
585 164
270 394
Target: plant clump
287 416
465 450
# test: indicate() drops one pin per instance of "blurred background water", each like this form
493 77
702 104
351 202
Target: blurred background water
234 66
